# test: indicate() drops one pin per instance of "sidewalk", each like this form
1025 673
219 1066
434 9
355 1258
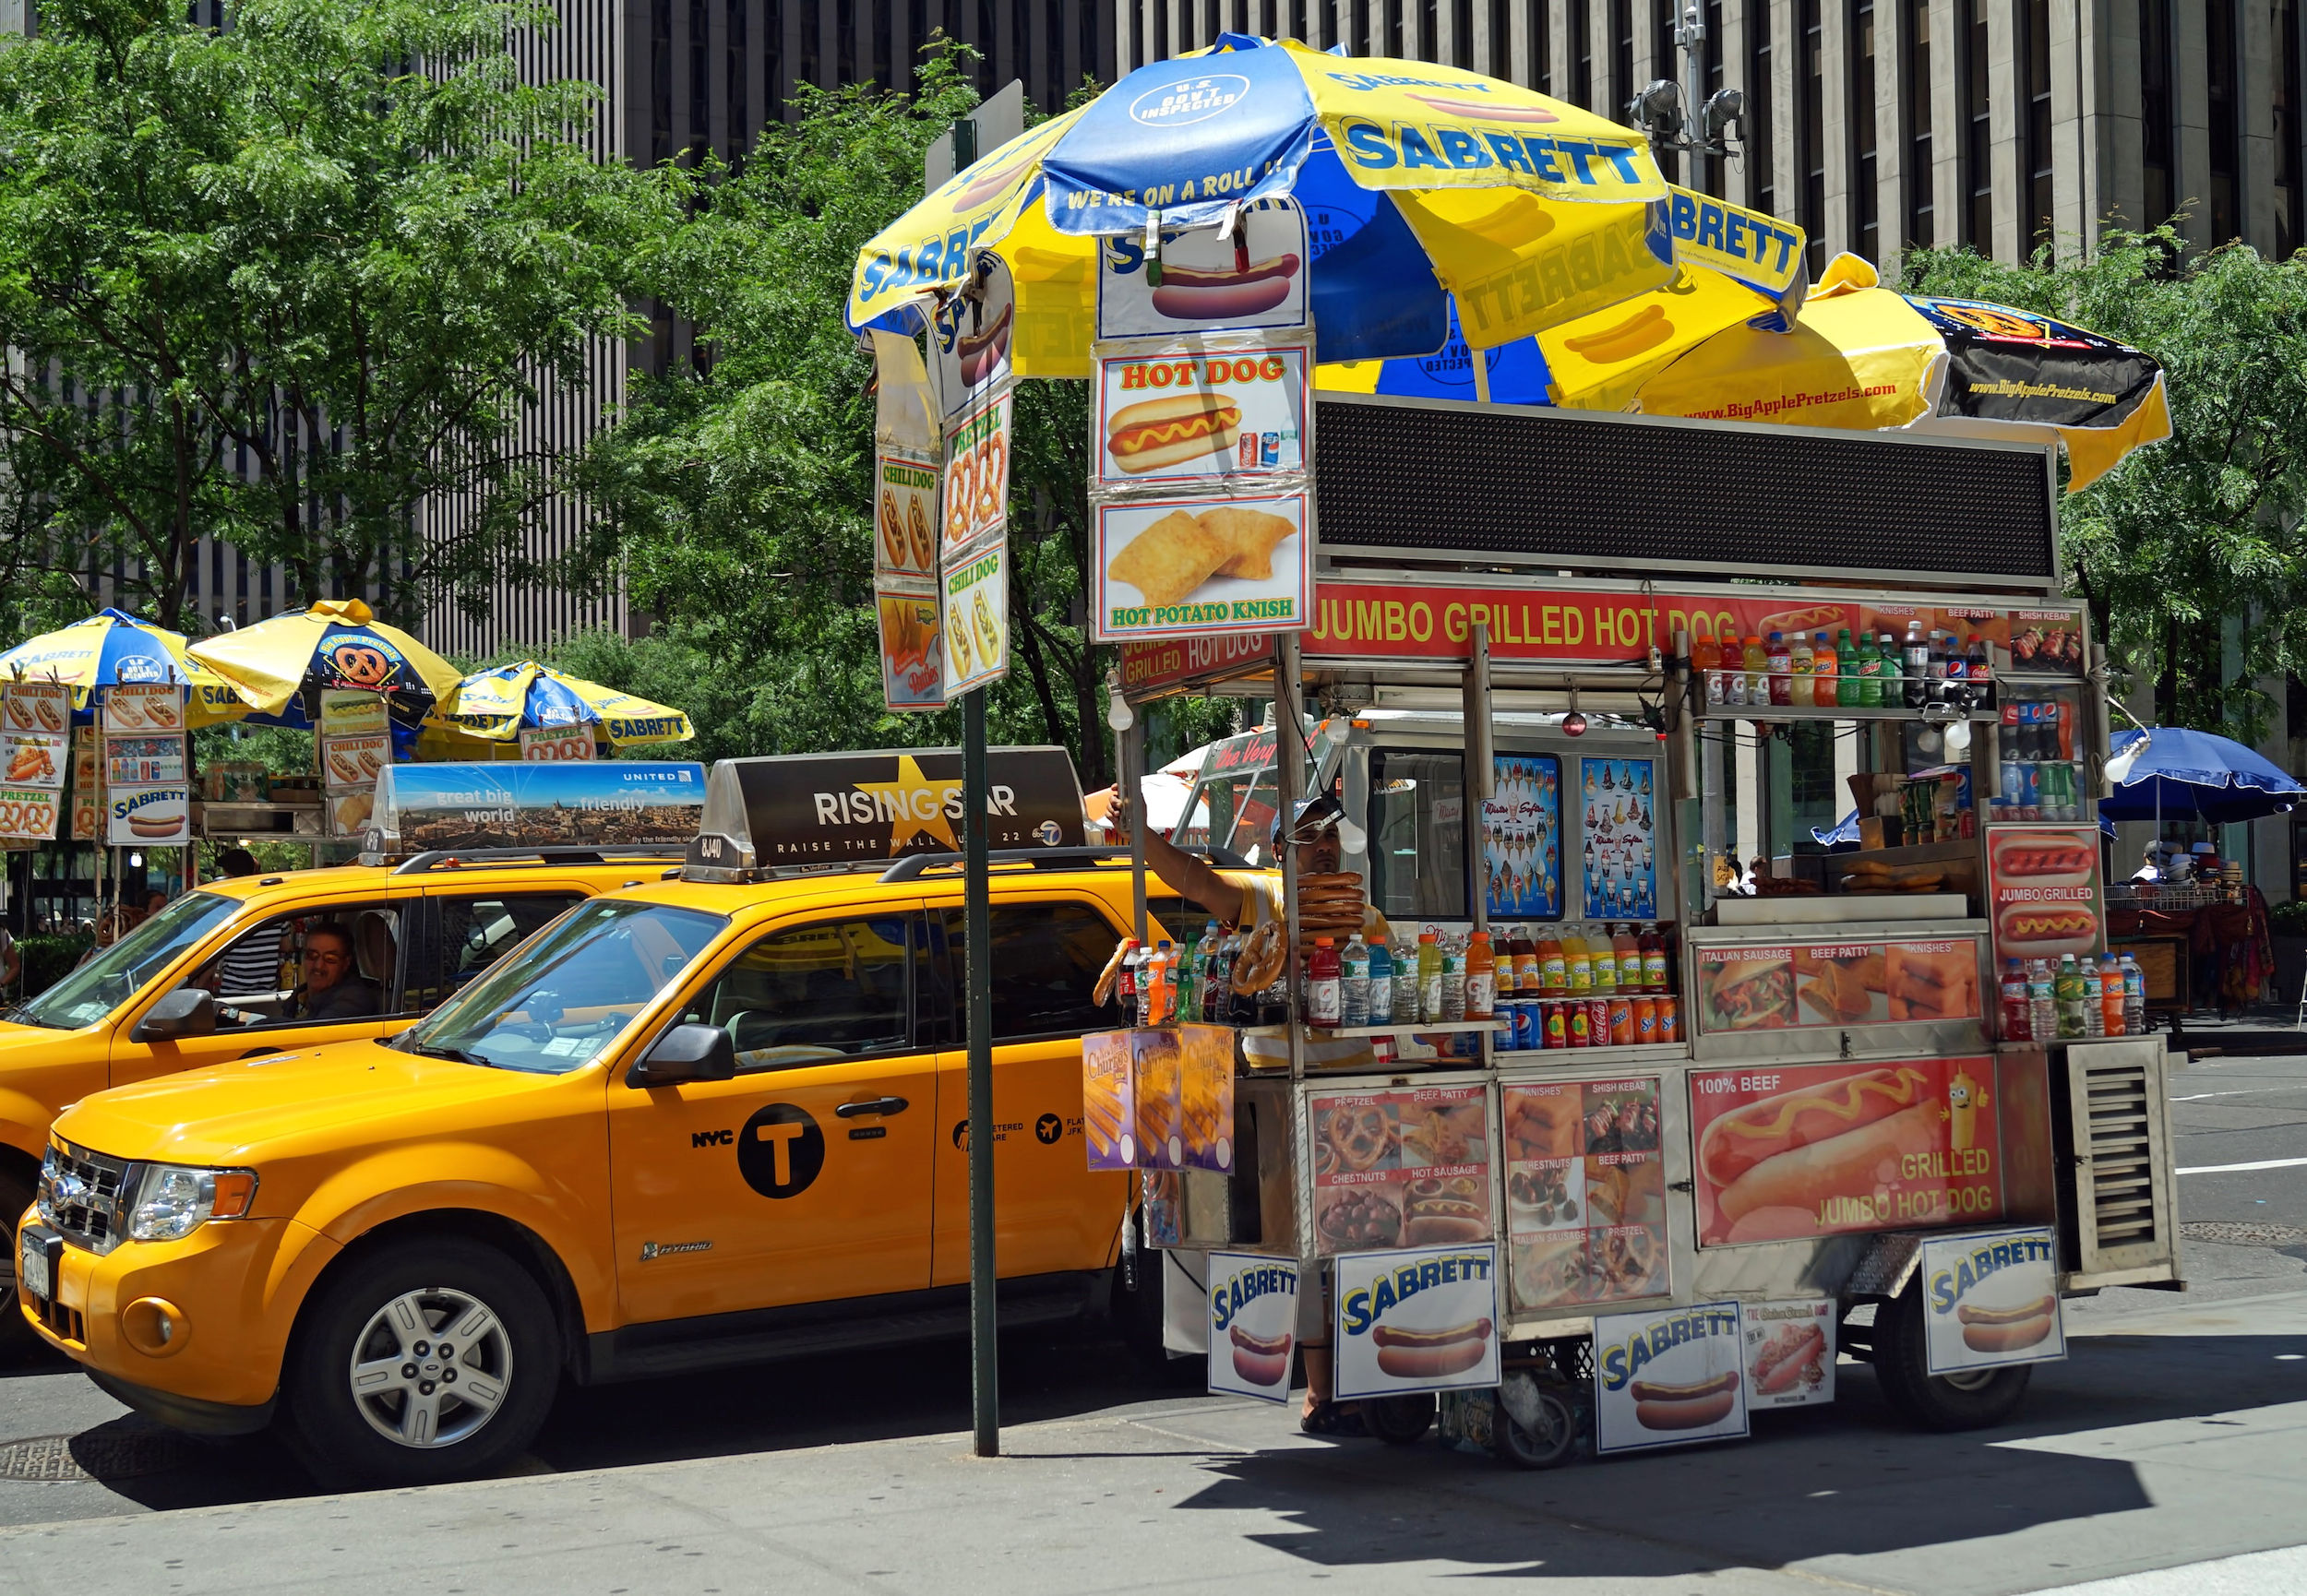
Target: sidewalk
2171 1437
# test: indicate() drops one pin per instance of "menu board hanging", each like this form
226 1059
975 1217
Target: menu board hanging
912 648
1400 1168
28 813
1798 985
1796 1152
144 707
905 514
133 761
1585 1191
88 785
976 476
1159 1098
1201 415
2042 886
44 707
1254 278
1176 567
35 758
1620 805
542 743
1521 838
974 589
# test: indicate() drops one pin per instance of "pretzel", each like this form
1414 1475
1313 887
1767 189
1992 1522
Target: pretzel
1110 977
1264 954
1361 1135
1333 880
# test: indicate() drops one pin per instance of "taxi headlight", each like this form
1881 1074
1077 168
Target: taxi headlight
174 1201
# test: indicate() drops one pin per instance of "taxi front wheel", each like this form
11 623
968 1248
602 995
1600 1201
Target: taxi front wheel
429 1360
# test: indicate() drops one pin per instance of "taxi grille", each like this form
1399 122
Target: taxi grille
85 1195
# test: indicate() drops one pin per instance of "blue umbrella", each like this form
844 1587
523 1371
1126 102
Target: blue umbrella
2182 773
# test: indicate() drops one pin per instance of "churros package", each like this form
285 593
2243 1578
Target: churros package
1207 1096
1109 1105
1159 1091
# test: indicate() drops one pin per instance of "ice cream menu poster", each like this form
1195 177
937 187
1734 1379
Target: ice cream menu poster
1618 801
1521 838
1585 1191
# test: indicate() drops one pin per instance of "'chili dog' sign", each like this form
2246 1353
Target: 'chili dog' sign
1418 1319
1992 1299
1253 1325
1787 1153
1670 1376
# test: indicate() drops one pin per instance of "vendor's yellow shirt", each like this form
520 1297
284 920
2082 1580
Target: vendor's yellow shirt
1268 1046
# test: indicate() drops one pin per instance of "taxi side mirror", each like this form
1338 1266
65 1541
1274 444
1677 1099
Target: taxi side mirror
187 1011
685 1053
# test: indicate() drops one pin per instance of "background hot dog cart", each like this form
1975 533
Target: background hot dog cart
1831 1137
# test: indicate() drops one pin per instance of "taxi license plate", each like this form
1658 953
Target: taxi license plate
32 1272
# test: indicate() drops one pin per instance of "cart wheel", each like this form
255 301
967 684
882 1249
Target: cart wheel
1975 1401
1398 1421
1534 1428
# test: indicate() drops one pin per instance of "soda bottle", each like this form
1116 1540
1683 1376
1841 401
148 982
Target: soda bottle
2014 1005
1802 660
1152 983
1914 679
1935 691
1578 964
1322 996
1126 984
2133 997
2068 989
2094 1015
1354 982
1846 663
1654 951
1553 965
1453 980
1380 982
2110 995
1217 979
1781 662
1481 996
1429 977
2042 1004
1825 673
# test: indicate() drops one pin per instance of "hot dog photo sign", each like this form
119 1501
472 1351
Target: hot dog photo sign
1991 1299
2044 883
1256 277
1196 415
1669 1377
1789 1352
1420 1319
1253 1325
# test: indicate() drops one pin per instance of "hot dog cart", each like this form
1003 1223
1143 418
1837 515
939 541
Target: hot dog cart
1830 1123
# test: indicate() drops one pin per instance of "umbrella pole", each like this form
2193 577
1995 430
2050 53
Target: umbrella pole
983 1327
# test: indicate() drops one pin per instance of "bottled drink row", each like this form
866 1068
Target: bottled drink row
2039 777
2079 1001
1872 671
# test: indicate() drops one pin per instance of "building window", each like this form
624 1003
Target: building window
1621 85
1668 63
987 41
734 67
1710 172
1502 61
2039 213
1161 29
2287 129
884 48
701 130
1865 198
1357 27
1761 183
1813 147
1979 134
2158 156
1394 46
805 59
1054 24
1581 54
1461 35
1542 50
1914 62
2220 68
661 81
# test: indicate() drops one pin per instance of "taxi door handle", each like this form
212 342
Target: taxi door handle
872 1106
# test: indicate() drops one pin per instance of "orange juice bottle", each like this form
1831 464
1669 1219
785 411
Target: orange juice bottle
1553 965
1578 962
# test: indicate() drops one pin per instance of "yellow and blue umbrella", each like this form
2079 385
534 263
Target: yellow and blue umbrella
499 704
112 647
279 667
1420 183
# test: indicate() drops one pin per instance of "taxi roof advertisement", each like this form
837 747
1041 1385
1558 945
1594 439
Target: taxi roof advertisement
838 808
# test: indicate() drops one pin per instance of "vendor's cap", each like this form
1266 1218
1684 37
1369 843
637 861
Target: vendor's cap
1311 819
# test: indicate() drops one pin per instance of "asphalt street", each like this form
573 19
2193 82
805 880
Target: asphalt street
2168 1441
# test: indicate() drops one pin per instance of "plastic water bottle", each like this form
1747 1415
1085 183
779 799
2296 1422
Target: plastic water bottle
1380 983
2094 1013
2133 997
1353 983
1453 981
2042 1006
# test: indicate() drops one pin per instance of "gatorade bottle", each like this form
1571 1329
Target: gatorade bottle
1429 977
2067 988
1553 965
2110 997
1733 671
1453 980
1846 663
1578 964
2014 1016
1780 660
1481 998
1869 673
1380 983
1707 664
1825 673
1322 996
1757 670
1354 982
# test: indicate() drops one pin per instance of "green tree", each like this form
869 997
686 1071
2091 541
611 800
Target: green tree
736 493
2189 554
284 283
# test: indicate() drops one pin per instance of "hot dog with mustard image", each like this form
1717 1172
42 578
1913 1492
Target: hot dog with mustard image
1800 1148
1170 431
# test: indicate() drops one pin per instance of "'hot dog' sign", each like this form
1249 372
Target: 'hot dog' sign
1666 1377
1417 1319
1992 1299
1253 1325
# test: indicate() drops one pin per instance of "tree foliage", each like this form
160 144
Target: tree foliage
736 492
284 283
2190 553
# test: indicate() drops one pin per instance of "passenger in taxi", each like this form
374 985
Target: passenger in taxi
332 989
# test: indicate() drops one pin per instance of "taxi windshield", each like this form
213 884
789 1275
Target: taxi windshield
114 974
566 996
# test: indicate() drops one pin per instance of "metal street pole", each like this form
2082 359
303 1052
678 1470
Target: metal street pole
985 1364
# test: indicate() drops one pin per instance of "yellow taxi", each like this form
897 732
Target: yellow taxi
225 973
694 1122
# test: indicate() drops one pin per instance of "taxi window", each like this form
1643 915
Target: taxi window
1046 959
834 989
112 975
475 931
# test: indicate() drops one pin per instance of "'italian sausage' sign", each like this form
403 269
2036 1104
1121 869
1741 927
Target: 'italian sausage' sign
1418 1319
1670 1376
1253 1325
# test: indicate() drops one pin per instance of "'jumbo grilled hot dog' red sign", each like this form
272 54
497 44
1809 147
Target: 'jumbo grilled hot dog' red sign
2043 885
1787 1153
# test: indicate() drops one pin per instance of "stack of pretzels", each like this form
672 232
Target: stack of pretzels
1329 906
